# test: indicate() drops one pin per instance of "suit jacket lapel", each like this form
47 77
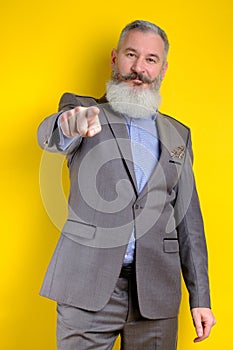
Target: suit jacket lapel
118 127
169 139
168 134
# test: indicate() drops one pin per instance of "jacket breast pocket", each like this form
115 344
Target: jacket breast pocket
170 245
78 230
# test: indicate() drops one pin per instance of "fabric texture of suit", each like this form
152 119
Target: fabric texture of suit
104 206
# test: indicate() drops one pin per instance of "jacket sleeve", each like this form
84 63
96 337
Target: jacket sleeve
192 242
48 133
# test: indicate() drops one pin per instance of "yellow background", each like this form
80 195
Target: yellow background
49 47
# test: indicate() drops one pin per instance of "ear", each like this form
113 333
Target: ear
164 69
113 57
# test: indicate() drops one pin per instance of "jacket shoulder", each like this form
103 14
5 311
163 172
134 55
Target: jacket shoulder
183 129
174 121
70 100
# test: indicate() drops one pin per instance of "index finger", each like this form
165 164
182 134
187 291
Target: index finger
92 112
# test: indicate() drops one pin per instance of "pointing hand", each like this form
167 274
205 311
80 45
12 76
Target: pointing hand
80 121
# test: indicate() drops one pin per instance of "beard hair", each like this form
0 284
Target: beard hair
135 102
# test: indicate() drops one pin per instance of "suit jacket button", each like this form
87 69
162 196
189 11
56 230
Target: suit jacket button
137 206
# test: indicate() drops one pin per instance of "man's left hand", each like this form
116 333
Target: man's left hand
203 320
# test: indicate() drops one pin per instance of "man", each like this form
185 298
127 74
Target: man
134 218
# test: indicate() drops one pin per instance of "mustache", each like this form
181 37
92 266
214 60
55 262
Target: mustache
133 76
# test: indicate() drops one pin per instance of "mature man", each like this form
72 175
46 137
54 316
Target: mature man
134 218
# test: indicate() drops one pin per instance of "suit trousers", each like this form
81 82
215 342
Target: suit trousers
79 329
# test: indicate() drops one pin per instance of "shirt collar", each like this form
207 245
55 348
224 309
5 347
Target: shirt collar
153 117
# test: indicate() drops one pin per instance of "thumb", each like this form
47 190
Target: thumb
199 329
198 325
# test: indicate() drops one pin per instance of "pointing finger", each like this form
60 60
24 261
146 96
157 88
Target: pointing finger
92 112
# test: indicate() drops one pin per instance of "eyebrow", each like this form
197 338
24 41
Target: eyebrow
149 55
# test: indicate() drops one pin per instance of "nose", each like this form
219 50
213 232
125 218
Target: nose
138 65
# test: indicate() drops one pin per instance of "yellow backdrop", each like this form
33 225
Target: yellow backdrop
52 46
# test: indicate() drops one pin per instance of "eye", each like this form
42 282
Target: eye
130 55
151 60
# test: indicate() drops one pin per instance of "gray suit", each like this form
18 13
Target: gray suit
104 206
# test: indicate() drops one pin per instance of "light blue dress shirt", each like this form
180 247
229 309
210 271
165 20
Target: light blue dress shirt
145 151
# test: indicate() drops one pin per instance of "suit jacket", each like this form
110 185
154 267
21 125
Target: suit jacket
104 206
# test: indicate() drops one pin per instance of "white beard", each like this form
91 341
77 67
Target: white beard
135 102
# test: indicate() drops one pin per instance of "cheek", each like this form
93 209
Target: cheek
154 72
123 66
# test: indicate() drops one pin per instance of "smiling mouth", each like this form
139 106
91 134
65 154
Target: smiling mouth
137 81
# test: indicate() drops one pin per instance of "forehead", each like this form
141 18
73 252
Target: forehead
143 42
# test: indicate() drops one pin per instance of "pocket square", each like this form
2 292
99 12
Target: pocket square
178 152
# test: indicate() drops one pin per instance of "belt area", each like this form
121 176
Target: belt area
127 271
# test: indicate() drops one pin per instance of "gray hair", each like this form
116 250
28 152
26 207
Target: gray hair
145 26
